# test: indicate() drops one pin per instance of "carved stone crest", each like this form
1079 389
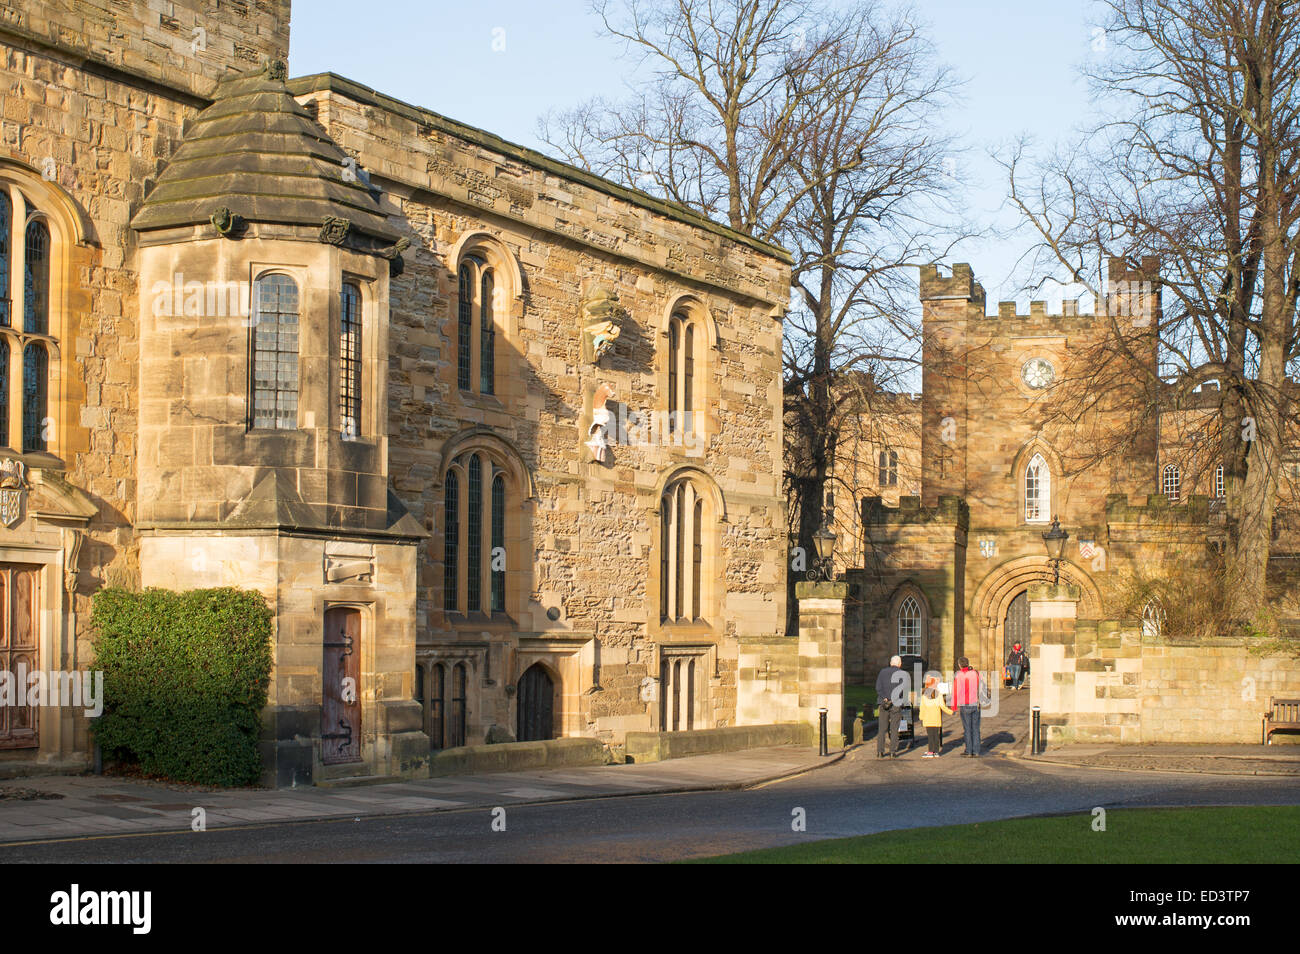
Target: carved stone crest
13 490
600 330
226 222
334 230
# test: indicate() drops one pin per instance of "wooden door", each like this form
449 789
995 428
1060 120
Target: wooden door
1015 628
19 602
341 686
536 705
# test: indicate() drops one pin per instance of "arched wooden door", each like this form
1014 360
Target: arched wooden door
536 720
1015 628
341 686
19 629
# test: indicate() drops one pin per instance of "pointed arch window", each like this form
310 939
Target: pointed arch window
1038 490
909 627
684 534
888 469
1153 618
476 321
29 325
686 337
476 494
275 353
1171 482
1218 482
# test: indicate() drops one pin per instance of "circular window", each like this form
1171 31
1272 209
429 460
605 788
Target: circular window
1038 373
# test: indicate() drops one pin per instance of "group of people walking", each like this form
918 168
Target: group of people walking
894 693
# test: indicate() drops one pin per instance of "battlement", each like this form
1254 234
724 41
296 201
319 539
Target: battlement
959 286
1123 270
951 511
1197 509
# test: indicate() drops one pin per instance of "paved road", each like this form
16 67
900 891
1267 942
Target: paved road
857 796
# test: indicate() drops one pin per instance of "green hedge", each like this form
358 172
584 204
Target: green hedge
185 681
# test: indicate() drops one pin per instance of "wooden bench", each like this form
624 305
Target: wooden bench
1281 714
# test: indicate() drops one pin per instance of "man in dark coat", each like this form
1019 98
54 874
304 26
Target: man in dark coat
893 691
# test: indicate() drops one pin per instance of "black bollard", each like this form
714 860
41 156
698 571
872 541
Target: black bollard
1035 748
825 749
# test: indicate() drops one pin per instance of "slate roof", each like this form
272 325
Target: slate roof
260 154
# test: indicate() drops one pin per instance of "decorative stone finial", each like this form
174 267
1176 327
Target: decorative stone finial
334 230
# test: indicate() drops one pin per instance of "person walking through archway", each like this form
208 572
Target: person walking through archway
1017 666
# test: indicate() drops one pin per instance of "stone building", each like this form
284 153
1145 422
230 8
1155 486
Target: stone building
947 570
498 440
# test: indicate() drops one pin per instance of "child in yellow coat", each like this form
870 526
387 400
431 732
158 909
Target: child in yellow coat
932 710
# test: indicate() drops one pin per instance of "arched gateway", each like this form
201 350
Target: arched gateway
999 610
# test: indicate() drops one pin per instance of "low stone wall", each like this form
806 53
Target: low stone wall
517 757
1107 681
658 746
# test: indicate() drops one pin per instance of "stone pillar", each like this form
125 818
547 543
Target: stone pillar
821 655
1053 611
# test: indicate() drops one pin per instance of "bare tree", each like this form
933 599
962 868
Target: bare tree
809 127
1199 173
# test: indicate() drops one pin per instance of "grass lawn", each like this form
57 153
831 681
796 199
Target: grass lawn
860 696
1132 836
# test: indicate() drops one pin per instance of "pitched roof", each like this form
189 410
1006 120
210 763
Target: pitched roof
258 153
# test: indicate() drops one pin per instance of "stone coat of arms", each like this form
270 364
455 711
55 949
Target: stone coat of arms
13 487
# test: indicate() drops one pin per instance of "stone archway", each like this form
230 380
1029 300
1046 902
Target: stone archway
987 610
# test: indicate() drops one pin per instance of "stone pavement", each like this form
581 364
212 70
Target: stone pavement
1006 734
70 806
1277 759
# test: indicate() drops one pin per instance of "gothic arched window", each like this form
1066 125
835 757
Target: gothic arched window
684 523
909 627
476 320
476 534
1171 482
1038 490
686 337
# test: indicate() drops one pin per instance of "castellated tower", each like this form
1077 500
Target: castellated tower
181 44
948 304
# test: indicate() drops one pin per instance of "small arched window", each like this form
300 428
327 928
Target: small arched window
683 517
36 286
909 627
275 353
350 360
1153 618
476 320
1218 482
1171 482
474 542
1038 490
29 326
686 336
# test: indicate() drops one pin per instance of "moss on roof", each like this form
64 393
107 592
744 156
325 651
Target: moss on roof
259 153
332 82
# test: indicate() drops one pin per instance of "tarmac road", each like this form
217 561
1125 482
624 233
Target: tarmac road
857 796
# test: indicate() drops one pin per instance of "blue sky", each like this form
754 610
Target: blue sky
499 64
